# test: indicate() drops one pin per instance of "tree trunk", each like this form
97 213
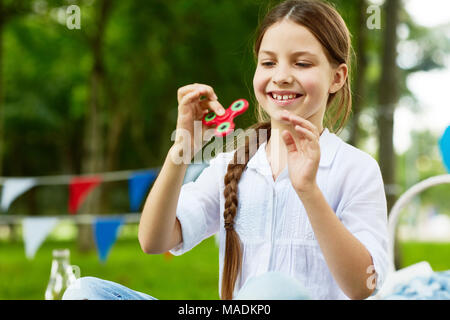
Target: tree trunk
360 74
388 97
2 111
115 129
93 158
92 161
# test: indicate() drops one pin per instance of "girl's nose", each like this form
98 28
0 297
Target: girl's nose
282 80
282 75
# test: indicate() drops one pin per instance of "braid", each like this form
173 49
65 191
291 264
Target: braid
233 251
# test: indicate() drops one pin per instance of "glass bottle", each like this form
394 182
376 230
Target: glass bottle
61 276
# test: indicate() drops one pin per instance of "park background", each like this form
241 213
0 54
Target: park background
102 98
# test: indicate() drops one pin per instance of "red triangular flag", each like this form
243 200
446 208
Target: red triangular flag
79 188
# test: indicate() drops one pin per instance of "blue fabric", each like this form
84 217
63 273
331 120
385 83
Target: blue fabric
434 287
444 145
105 234
267 286
138 186
90 288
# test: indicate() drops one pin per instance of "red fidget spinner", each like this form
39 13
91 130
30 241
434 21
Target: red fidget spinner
225 124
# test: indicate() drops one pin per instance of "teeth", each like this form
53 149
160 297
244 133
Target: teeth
285 97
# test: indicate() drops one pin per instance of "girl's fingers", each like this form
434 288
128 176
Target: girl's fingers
190 97
211 102
306 133
207 90
183 91
195 95
213 105
289 141
296 120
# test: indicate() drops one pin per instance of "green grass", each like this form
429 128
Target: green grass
193 275
435 253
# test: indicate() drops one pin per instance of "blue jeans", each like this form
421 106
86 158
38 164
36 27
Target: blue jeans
90 288
268 286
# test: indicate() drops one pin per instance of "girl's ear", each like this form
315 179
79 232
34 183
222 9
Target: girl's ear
339 76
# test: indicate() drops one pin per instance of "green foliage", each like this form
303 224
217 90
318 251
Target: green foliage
421 161
148 50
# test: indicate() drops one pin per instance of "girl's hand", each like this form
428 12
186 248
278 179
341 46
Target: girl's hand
192 108
303 152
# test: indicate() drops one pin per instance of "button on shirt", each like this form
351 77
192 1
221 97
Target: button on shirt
272 223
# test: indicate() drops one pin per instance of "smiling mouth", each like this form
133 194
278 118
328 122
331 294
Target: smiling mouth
285 101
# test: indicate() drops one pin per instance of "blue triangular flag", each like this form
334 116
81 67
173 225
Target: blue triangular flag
138 186
444 145
105 234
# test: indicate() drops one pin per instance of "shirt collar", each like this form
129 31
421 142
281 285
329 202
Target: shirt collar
329 144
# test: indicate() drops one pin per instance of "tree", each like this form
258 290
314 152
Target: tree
388 97
359 83
388 93
93 155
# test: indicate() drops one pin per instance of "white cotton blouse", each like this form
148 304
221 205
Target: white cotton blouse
272 223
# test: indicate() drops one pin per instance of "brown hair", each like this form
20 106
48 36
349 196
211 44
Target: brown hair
325 23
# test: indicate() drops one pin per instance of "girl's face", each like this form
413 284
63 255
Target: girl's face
293 65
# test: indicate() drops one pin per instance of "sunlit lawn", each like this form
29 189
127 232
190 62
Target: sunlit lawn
193 275
436 253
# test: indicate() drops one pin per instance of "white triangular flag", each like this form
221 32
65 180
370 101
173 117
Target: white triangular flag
35 230
12 188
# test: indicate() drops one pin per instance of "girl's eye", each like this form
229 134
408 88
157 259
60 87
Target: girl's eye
304 65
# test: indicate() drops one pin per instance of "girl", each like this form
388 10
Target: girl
301 214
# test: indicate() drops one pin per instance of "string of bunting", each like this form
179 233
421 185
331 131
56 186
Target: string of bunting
105 227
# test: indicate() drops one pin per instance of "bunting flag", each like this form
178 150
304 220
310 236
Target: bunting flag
79 188
106 229
105 234
35 231
138 186
444 145
193 171
12 188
